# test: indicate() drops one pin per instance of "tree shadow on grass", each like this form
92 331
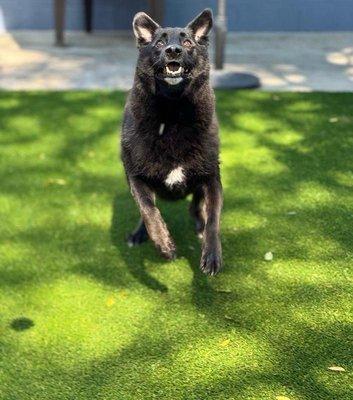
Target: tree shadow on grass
263 311
84 117
309 137
154 364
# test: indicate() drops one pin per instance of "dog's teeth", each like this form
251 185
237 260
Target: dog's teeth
173 73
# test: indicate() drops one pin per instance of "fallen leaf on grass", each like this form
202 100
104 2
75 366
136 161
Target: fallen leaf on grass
110 301
224 343
336 368
282 398
55 181
268 256
333 120
291 213
223 290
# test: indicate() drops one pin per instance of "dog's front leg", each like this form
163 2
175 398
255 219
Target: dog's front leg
155 225
211 258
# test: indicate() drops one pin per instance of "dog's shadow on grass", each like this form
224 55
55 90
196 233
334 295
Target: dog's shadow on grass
123 221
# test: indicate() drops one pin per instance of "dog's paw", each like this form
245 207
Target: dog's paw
168 250
136 238
170 255
211 262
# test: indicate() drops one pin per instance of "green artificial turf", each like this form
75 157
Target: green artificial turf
82 316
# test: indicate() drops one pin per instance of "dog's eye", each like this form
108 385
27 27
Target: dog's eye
187 43
159 44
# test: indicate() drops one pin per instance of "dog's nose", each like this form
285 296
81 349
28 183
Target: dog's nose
173 50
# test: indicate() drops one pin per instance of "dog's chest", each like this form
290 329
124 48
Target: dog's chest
172 154
175 177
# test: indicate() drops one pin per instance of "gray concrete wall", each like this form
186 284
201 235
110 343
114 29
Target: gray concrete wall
243 15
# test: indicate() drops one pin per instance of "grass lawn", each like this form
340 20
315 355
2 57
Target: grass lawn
82 316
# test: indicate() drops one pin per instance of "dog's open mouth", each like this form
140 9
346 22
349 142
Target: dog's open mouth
174 73
173 69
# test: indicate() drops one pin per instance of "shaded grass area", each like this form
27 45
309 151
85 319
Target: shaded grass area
82 316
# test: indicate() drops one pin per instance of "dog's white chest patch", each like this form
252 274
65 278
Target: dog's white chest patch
175 176
161 129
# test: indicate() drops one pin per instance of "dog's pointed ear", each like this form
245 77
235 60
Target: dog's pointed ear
144 28
201 25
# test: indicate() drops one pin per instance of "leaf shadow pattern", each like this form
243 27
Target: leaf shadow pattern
320 154
290 329
148 367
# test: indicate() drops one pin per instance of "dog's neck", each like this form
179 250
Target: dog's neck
195 104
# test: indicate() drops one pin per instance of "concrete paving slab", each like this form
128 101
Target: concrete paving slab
282 61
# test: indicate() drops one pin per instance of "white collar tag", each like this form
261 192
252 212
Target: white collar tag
161 128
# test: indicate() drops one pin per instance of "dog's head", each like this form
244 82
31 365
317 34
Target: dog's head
173 57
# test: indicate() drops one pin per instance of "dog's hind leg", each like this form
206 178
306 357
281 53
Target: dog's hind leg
152 218
139 235
197 210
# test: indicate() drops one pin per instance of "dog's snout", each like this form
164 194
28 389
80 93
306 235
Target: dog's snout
173 50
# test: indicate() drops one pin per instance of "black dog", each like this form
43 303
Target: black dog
170 134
